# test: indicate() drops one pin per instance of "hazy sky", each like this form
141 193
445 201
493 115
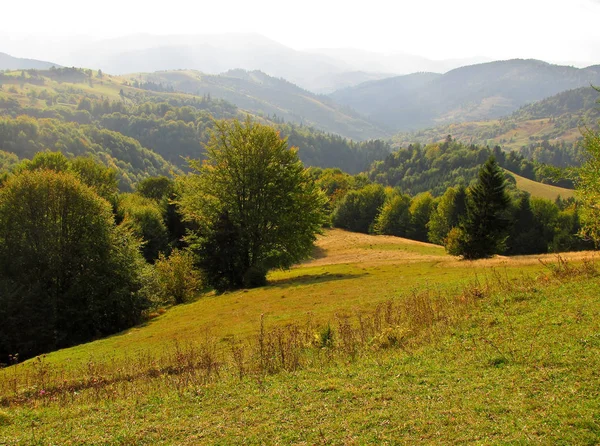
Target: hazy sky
553 30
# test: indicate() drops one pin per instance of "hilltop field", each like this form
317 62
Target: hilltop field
376 340
541 190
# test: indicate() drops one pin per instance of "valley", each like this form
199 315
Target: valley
323 223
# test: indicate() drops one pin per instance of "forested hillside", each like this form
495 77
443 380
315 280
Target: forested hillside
472 93
267 96
435 167
25 136
158 127
547 131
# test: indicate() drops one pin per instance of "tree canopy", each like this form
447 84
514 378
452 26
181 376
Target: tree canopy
588 188
67 273
255 205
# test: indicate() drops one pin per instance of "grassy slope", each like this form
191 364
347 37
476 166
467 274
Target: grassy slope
351 271
541 190
510 136
521 365
108 87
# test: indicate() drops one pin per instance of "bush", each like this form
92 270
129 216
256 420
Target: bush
175 279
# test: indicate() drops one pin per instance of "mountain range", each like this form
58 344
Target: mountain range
8 62
367 99
320 70
471 93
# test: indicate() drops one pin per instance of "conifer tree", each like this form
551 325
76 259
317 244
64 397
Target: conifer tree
483 230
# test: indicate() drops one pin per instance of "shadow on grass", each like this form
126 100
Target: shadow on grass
318 253
309 279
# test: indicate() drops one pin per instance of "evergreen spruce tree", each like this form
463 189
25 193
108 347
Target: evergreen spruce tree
483 230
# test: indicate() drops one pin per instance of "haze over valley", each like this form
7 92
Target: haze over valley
299 223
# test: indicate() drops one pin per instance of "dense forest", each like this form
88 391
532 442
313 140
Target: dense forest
436 167
173 125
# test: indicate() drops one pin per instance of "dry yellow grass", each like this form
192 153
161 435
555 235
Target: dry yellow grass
337 247
340 247
541 190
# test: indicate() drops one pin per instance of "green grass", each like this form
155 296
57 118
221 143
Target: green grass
503 361
541 190
423 249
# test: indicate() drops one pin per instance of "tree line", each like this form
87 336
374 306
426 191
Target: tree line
80 260
461 218
436 167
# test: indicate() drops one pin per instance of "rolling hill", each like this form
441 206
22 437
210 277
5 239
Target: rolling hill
558 118
267 96
8 62
377 340
541 190
471 93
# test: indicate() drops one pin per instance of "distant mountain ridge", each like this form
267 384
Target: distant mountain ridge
476 92
557 119
318 70
8 62
262 94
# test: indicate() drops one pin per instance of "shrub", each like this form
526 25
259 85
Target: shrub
175 278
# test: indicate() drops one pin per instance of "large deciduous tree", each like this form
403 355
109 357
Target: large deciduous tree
255 206
588 188
67 273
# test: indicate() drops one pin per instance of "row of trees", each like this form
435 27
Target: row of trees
489 217
78 260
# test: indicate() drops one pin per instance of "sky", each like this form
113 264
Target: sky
552 30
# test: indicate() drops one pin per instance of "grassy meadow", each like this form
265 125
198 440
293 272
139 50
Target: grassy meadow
541 190
376 340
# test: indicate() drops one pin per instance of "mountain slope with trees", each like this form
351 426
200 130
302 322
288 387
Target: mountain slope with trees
547 130
171 124
270 97
472 93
